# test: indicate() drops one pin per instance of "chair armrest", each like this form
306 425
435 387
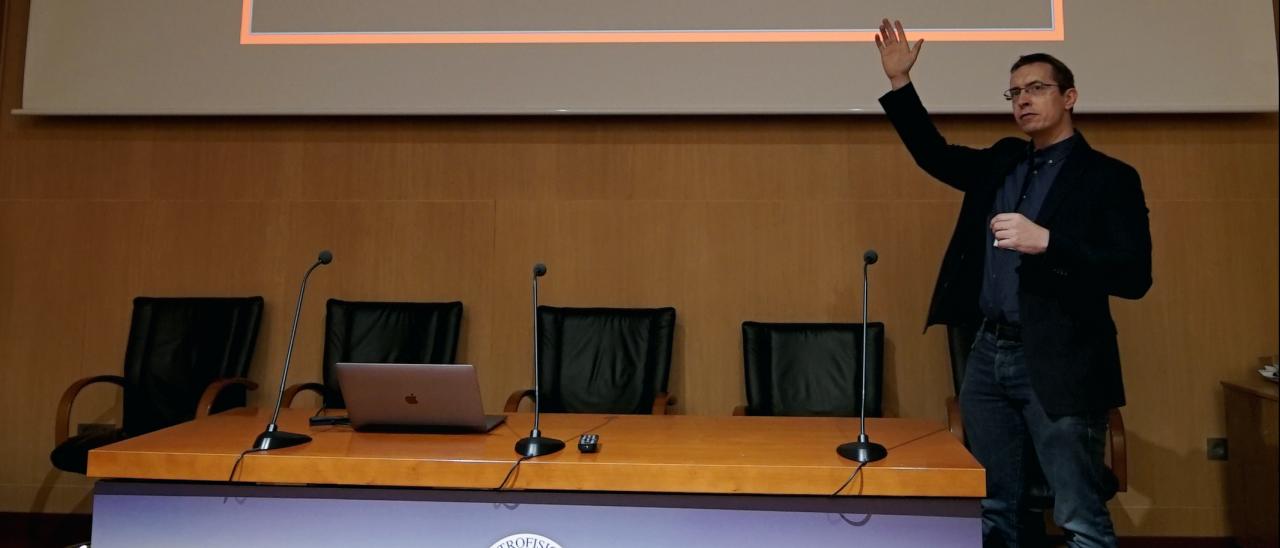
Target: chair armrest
513 401
62 424
661 401
292 392
955 421
205 407
1119 453
739 410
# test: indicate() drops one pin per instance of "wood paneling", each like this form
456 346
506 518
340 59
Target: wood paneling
726 218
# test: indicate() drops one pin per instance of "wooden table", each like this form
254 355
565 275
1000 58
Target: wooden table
1252 481
649 465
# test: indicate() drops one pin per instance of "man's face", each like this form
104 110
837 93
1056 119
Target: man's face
1043 113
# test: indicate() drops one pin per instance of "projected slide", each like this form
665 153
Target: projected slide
553 57
625 21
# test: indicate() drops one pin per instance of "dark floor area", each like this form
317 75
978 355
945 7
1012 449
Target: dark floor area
22 530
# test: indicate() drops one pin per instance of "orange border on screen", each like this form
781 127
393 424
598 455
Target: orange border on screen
1054 33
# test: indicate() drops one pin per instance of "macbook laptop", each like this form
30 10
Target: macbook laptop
414 397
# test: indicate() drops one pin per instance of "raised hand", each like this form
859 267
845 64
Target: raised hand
896 54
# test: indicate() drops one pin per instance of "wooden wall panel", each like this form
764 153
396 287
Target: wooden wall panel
726 218
61 319
386 250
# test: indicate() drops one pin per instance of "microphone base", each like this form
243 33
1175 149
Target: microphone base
862 451
536 446
278 440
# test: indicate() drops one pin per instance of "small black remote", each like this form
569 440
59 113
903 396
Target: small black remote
589 443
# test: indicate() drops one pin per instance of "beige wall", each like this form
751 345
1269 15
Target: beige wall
725 218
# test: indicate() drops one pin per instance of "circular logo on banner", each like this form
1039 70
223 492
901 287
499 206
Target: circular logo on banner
526 540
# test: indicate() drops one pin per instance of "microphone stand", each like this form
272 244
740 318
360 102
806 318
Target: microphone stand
273 437
535 445
864 450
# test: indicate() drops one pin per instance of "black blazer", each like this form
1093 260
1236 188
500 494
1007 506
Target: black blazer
1099 245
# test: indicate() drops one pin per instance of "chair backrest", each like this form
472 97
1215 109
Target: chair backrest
387 332
604 360
177 346
811 369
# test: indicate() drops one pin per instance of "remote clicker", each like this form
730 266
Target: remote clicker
589 443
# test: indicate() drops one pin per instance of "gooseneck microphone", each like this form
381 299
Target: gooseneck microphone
273 437
535 445
864 450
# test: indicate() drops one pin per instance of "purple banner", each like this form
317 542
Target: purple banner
143 515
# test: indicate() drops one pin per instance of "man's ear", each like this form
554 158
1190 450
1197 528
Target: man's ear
1069 98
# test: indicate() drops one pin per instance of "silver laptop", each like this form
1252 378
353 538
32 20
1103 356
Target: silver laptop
414 397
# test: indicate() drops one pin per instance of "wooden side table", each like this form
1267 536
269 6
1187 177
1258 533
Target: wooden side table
1252 485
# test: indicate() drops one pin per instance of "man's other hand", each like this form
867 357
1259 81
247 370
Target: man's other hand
1015 232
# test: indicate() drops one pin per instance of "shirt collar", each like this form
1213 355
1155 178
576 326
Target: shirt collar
1053 154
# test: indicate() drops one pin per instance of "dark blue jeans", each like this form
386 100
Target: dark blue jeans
1006 426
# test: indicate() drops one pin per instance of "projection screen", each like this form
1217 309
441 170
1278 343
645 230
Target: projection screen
214 57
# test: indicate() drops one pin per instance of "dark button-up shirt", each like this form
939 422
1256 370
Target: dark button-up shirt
1023 191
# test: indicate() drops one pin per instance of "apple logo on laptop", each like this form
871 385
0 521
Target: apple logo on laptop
411 399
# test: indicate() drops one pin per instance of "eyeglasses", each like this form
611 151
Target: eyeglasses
1034 89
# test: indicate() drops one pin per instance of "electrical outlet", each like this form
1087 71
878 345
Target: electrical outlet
93 428
1216 448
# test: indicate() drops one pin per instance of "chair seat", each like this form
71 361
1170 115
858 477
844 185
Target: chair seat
73 455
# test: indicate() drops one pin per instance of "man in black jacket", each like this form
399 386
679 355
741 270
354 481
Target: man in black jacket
1048 230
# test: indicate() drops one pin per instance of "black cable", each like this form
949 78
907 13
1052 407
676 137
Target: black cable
851 476
232 477
514 465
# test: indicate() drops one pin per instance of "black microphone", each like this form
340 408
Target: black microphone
864 450
535 445
273 437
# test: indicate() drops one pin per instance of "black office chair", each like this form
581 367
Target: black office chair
603 360
185 357
382 332
959 342
811 369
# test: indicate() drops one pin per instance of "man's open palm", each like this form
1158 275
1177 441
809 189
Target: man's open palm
896 53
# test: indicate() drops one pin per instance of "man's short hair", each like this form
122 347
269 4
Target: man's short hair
1065 79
